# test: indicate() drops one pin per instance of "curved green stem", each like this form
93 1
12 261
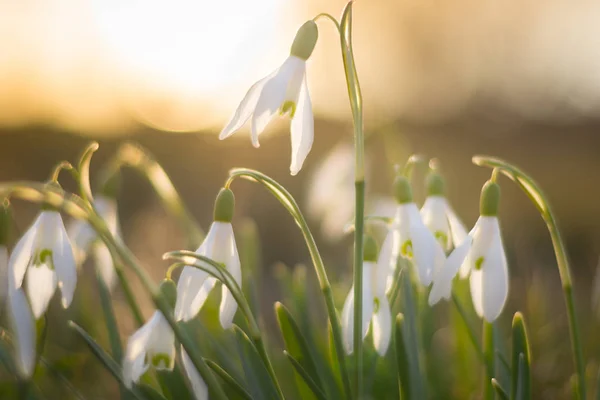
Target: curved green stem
218 271
329 17
76 207
136 157
539 199
286 199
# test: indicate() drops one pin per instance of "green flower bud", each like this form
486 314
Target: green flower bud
169 290
224 205
370 249
5 222
490 198
402 190
305 40
435 184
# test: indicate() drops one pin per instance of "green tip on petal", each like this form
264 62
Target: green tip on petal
305 40
169 290
370 249
224 205
435 184
5 222
402 190
490 199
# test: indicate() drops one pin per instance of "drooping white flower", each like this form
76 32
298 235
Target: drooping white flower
86 241
24 333
443 222
43 257
194 285
375 307
417 243
153 345
198 385
284 90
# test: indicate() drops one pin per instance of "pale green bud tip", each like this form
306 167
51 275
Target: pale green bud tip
224 205
169 290
305 40
370 249
435 184
5 222
402 190
490 199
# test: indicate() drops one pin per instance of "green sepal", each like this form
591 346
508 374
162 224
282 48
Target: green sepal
305 40
402 190
224 205
435 184
521 369
169 290
490 199
370 249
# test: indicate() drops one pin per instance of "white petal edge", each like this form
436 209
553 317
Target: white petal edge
382 326
134 364
64 265
23 326
302 129
104 264
457 228
246 107
272 97
41 285
21 255
198 385
348 322
495 280
442 281
228 305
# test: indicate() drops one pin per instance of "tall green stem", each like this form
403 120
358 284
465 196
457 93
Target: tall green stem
286 199
535 194
489 354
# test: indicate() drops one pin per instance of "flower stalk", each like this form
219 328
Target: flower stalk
539 199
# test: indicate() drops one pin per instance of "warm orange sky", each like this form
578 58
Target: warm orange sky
182 65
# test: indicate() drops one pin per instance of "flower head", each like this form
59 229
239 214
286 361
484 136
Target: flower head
44 258
194 285
285 90
375 308
86 242
439 217
153 345
416 241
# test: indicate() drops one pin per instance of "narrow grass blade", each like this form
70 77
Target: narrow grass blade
316 390
500 392
150 392
230 382
403 363
521 375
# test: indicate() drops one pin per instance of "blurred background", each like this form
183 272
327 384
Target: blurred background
517 80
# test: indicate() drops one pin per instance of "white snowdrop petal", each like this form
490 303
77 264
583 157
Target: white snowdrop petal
134 364
476 284
302 129
442 282
387 263
457 228
161 341
64 265
434 217
22 254
23 326
271 99
382 326
41 285
348 322
367 295
189 285
81 236
495 281
423 247
246 107
228 305
199 387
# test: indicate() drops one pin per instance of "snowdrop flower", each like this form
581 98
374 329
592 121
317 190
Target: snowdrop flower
439 217
24 333
375 307
285 90
416 241
86 242
153 345
194 285
43 257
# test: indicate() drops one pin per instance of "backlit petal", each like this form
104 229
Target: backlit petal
348 322
457 228
134 364
442 281
104 264
382 326
198 386
23 326
495 281
41 285
228 304
22 255
434 217
302 129
64 265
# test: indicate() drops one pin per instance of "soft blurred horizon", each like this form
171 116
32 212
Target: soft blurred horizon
105 67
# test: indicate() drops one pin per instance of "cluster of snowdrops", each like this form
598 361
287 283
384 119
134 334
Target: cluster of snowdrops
430 243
